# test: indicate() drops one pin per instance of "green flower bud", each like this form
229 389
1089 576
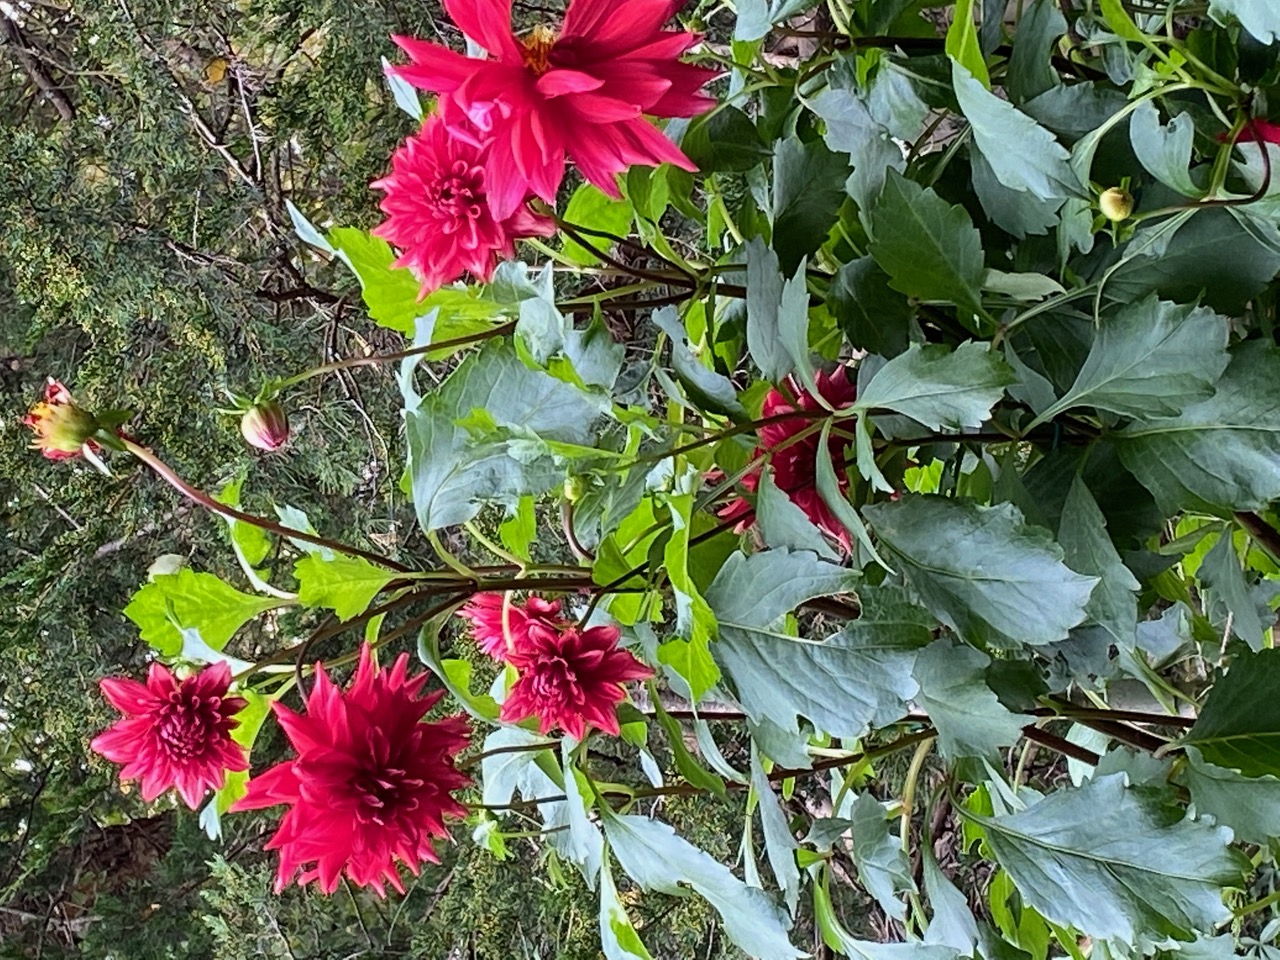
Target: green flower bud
1116 204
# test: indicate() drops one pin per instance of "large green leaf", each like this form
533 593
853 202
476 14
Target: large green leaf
1250 806
726 141
970 720
657 859
982 570
1105 860
193 600
777 315
1260 17
452 474
1220 454
1164 151
1239 727
1039 163
808 189
618 937
872 315
855 680
929 248
883 867
1088 549
754 592
1222 572
1031 71
939 387
345 585
1151 358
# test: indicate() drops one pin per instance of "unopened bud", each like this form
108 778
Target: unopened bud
62 428
265 426
574 488
1116 204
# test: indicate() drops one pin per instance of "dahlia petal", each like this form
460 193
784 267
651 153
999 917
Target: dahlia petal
160 680
120 742
557 83
435 68
488 23
127 695
654 146
628 22
594 108
275 786
583 17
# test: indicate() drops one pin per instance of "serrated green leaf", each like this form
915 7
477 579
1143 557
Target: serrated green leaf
1150 358
808 189
1088 549
952 924
883 867
939 387
970 719
1260 17
1250 806
590 207
200 601
872 315
982 570
1221 454
1031 71
1164 151
346 585
657 859
1239 726
784 525
1105 860
1017 211
1222 573
929 248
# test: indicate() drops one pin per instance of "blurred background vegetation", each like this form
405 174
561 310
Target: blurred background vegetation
146 259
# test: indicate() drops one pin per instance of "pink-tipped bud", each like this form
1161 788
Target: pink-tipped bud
62 428
265 426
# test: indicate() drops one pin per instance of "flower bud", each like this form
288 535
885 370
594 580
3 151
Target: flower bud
265 426
574 488
1116 204
62 428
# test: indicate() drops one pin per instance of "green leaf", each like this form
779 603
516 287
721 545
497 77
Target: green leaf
1221 454
828 485
1088 549
1164 151
686 764
754 592
1106 860
929 248
520 530
779 843
1250 806
855 680
501 765
882 864
726 141
784 525
199 601
1026 287
405 96
582 843
952 924
982 570
591 208
1039 163
962 43
808 189
939 387
249 723
872 315
346 585
1260 17
656 859
765 295
970 719
708 389
252 543
1031 72
451 473
1239 727
1016 211
1222 573
618 937
1150 358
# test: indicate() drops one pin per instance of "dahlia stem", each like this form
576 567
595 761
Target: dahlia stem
166 473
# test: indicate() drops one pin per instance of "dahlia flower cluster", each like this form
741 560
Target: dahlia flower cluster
507 124
566 677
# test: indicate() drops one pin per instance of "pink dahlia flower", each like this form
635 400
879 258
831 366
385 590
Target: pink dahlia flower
62 429
484 610
582 92
438 212
570 678
174 733
795 466
371 783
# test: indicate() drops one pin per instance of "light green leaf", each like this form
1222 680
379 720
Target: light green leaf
970 720
618 937
1016 211
882 864
765 296
939 387
1260 17
1222 573
686 763
1038 166
1164 151
405 96
1221 454
691 659
833 496
1105 860
962 43
754 592
1088 549
982 570
784 525
779 843
500 772
591 208
855 680
655 858
929 248
1149 358
952 924
345 585
200 601
1250 806
808 189
1027 287
582 843
1239 726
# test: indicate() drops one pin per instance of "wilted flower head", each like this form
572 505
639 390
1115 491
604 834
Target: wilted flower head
484 610
265 426
438 213
371 783
581 92
571 678
174 733
795 462
62 428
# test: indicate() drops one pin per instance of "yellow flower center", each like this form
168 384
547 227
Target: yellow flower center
537 49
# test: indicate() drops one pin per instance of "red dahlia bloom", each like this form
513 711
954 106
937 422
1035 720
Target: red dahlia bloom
174 733
1261 130
62 428
570 679
438 212
371 783
795 466
581 93
484 610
